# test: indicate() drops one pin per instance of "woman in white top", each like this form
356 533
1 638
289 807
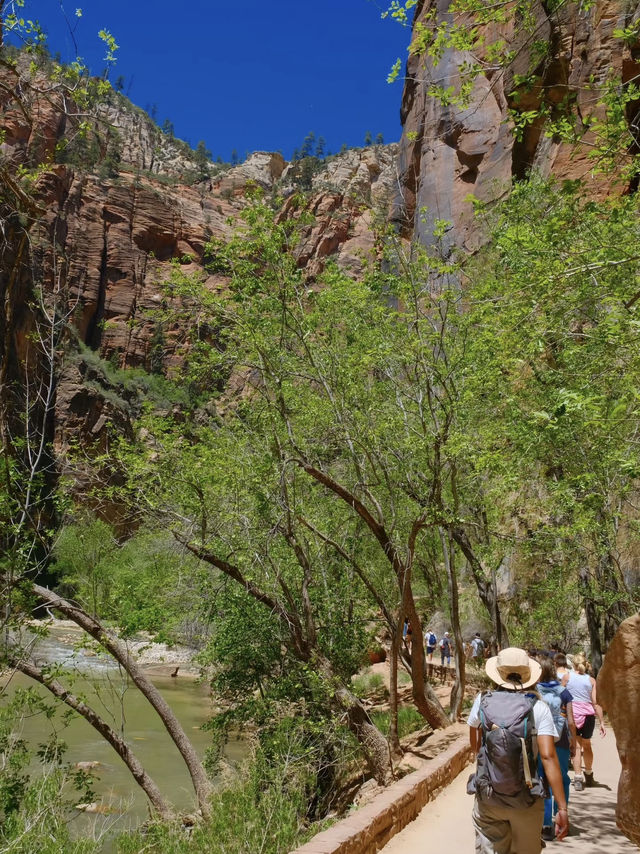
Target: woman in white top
582 687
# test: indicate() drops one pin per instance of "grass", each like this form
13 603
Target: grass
409 720
367 683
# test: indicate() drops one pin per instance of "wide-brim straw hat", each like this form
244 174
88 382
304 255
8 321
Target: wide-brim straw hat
513 669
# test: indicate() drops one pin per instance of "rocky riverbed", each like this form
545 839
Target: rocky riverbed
64 640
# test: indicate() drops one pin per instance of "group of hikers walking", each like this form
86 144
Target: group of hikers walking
527 732
475 650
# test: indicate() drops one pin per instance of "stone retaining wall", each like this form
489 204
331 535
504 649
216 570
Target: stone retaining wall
369 829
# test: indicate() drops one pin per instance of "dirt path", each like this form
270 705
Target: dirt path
444 825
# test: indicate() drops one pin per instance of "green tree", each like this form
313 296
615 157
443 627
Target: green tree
322 435
83 554
202 158
557 371
307 149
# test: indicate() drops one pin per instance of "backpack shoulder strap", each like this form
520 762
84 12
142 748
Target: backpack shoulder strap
485 725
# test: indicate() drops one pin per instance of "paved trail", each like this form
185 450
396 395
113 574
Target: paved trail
444 825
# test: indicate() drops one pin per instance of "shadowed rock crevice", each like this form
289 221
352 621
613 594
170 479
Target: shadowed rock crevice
93 335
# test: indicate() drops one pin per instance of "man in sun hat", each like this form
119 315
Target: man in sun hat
508 728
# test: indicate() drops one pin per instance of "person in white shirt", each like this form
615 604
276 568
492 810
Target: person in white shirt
502 828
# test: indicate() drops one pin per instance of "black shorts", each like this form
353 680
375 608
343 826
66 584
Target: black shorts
587 728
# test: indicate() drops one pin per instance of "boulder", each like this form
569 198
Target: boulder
619 693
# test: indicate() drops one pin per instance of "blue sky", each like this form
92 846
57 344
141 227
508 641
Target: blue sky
245 74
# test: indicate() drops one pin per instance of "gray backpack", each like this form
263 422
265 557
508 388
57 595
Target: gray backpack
507 769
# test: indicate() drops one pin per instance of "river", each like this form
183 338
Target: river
121 803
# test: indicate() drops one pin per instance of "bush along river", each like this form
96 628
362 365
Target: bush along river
118 801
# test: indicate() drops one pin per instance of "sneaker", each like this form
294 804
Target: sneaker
578 784
588 779
548 833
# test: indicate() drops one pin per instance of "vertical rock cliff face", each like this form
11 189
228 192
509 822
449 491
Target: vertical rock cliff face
449 152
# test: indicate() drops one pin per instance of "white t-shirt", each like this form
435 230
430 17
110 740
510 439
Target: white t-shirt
542 717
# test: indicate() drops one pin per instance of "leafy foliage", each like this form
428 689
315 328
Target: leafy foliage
36 787
266 808
146 583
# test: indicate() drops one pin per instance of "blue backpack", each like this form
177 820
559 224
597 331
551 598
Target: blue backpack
551 695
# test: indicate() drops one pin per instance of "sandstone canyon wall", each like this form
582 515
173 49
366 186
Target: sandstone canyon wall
115 241
449 152
619 694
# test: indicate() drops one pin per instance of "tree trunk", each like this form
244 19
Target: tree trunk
396 640
372 741
374 744
424 697
593 620
611 585
119 745
120 652
457 692
487 590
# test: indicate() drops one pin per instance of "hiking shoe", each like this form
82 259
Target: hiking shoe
588 779
578 784
548 833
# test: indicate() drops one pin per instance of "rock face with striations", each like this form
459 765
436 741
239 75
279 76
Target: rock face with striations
449 152
115 242
619 693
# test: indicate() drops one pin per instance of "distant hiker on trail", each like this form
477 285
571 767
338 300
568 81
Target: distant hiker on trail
407 631
445 649
477 648
560 701
430 642
508 729
585 709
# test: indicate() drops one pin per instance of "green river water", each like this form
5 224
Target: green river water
103 687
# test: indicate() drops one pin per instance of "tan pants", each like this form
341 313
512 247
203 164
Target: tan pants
504 830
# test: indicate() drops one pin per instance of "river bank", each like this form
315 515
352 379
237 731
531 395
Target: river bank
157 659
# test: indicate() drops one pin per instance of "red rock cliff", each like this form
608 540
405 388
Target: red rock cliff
113 238
449 152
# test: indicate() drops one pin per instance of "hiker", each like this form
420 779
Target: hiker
430 641
585 709
559 700
508 729
445 649
562 667
477 648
